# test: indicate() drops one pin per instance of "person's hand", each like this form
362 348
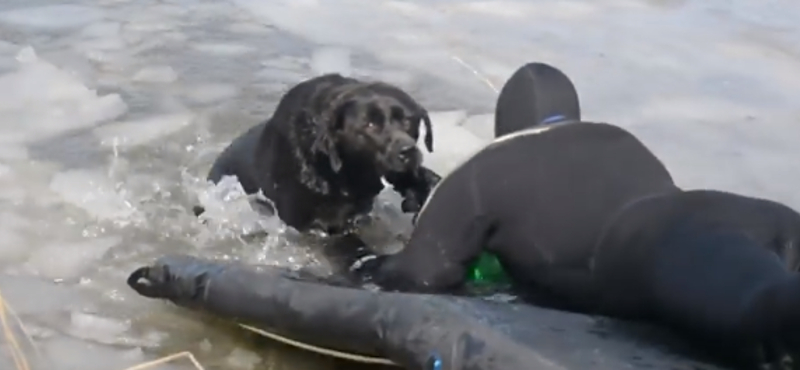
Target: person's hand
367 267
176 278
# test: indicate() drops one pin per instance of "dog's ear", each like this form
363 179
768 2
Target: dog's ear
428 132
329 122
325 144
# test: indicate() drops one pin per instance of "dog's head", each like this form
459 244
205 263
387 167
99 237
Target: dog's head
374 122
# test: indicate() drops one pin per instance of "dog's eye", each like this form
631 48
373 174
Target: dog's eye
371 125
411 126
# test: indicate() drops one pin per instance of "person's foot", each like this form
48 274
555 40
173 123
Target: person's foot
772 323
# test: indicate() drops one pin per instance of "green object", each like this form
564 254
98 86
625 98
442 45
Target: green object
487 269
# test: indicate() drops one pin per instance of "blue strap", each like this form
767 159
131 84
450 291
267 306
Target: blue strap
434 362
553 119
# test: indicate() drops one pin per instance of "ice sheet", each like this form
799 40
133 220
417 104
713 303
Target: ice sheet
630 61
156 74
32 295
331 60
482 125
97 328
51 17
103 357
140 132
69 260
43 100
243 359
223 49
453 143
209 93
95 193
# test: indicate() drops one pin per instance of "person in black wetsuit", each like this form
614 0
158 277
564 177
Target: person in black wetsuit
576 173
585 213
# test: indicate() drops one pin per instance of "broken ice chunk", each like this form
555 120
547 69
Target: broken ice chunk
143 131
156 74
65 260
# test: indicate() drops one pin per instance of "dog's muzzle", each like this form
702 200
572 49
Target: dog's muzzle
403 158
407 154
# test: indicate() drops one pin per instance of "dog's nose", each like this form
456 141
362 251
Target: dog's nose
407 152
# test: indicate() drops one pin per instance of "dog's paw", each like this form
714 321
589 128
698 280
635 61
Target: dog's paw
410 205
416 197
366 267
430 178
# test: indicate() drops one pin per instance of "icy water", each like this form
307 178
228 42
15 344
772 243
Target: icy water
111 112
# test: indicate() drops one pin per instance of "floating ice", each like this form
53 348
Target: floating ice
389 227
4 170
26 184
13 246
249 28
32 295
418 37
6 64
13 151
7 47
481 125
156 74
93 46
452 143
149 22
169 10
286 62
66 260
95 193
243 359
40 100
396 77
52 17
102 30
71 354
282 75
7 51
97 328
205 345
230 211
210 93
223 49
331 60
140 132
147 42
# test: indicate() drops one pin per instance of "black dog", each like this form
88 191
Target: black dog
321 156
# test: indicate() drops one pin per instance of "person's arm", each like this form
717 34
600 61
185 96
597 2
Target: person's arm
448 237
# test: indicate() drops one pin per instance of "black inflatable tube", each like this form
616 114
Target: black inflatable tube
411 330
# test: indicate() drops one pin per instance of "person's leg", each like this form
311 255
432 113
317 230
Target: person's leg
536 94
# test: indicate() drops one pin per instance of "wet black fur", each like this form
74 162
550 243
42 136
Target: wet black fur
320 164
